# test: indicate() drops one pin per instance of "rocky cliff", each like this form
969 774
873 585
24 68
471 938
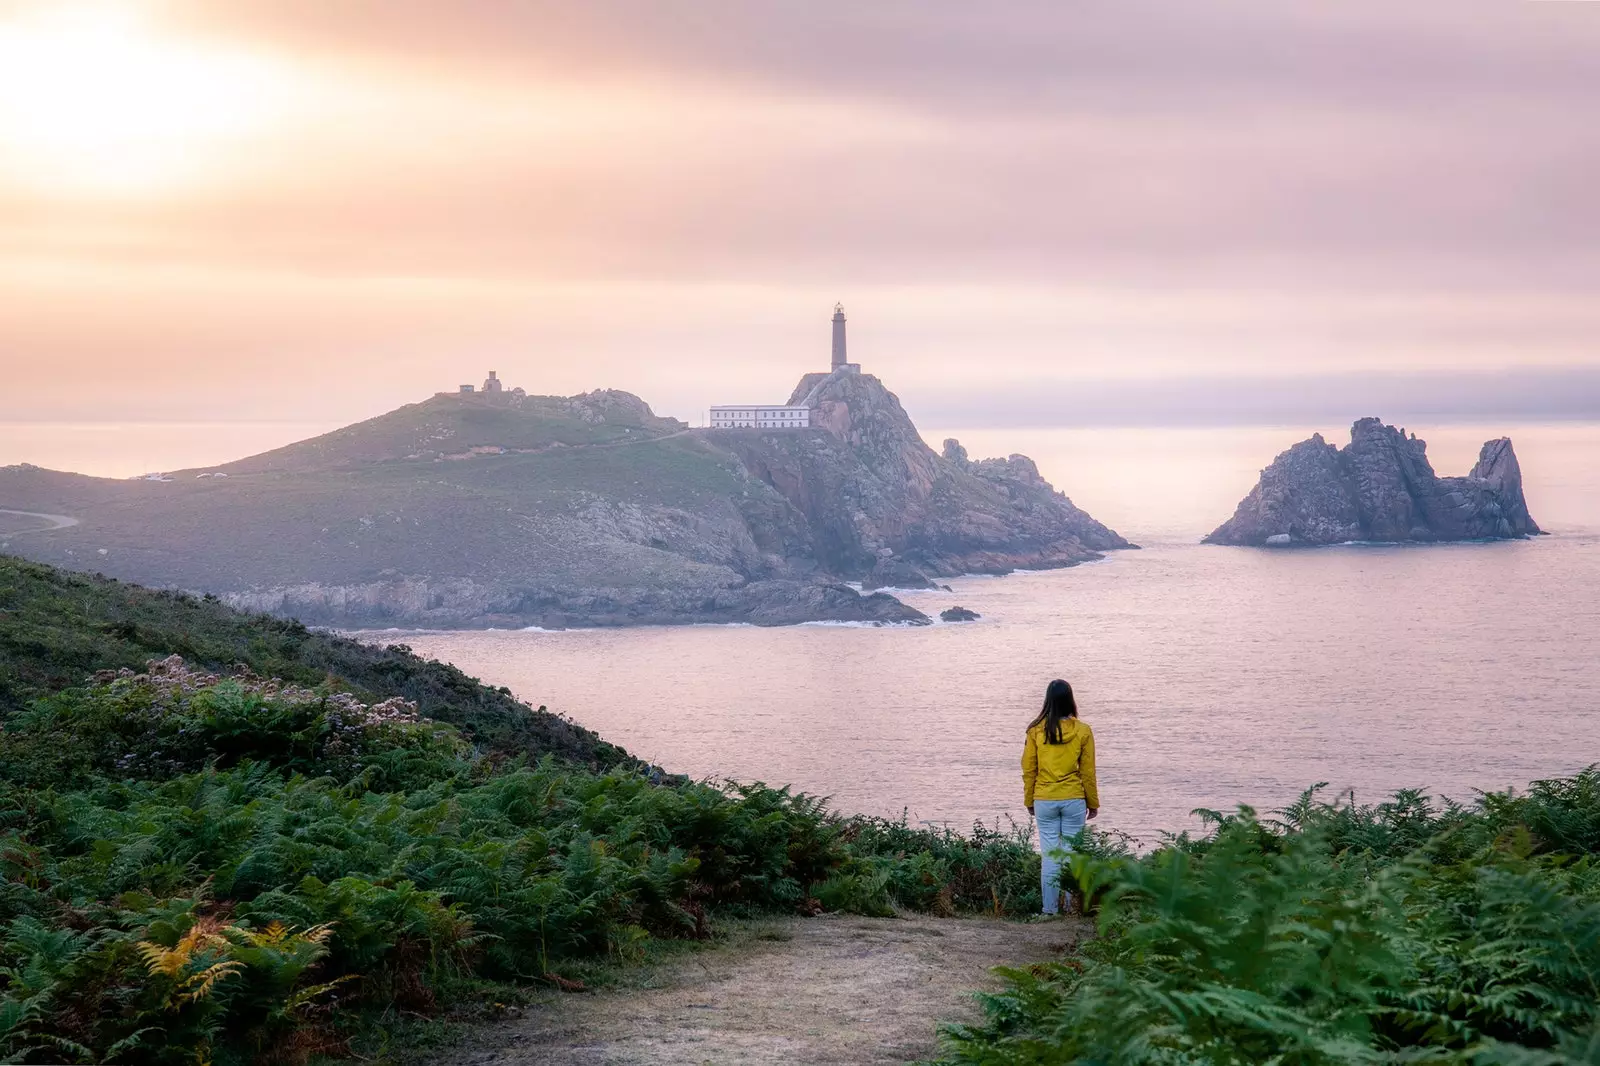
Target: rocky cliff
512 510
881 507
1379 487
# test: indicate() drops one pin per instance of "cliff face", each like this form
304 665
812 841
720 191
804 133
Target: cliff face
450 603
882 507
1379 487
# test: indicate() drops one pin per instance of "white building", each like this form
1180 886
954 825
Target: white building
758 416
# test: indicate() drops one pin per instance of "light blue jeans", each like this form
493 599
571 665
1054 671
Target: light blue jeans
1060 821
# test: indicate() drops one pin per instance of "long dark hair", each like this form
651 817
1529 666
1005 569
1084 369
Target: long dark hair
1058 704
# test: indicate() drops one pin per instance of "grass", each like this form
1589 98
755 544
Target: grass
681 472
372 504
455 423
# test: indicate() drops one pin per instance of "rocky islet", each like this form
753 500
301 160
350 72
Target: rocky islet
959 614
1379 487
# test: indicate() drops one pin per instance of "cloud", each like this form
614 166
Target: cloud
662 196
1543 394
1242 142
1024 54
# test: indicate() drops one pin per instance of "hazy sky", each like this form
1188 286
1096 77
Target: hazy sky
1051 212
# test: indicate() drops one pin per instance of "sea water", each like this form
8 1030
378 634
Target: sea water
1212 676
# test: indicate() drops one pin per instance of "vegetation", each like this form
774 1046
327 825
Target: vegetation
250 855
57 628
455 423
1332 933
518 496
229 867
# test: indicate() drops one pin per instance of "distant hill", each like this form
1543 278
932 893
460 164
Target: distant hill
459 426
485 509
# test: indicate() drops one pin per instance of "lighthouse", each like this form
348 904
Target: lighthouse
790 415
839 360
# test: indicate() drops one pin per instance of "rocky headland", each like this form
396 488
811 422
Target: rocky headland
881 507
1379 487
512 510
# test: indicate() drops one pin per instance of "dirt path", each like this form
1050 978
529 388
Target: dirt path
54 521
806 990
642 440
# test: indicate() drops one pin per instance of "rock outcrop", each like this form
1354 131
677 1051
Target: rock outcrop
1379 487
958 614
883 508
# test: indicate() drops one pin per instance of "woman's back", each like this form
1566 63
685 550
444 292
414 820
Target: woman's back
1058 783
1060 771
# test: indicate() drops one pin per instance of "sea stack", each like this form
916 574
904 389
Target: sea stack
1379 487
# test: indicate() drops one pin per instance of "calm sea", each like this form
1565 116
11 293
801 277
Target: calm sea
1212 676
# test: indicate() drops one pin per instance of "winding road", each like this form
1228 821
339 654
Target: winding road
53 521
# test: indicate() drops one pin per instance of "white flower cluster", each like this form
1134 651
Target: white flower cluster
175 683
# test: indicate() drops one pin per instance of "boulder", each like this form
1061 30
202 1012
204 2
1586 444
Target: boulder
959 614
894 573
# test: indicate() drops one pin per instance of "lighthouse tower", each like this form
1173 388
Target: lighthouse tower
840 360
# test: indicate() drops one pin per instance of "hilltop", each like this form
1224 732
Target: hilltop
460 426
513 510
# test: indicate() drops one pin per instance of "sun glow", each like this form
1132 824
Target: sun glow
92 100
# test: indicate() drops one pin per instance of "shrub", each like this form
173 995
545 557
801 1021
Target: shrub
173 720
1400 932
58 627
199 865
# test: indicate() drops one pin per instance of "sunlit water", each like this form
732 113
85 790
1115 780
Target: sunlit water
1212 676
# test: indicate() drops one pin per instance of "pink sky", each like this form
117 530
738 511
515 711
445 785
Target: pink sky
317 211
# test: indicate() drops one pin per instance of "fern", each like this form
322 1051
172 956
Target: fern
1330 933
227 894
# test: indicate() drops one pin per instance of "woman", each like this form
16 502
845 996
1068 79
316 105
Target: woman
1058 783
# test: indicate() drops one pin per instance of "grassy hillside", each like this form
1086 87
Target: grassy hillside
458 487
454 424
463 510
57 628
226 867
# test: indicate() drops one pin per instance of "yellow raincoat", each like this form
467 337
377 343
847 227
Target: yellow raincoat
1061 771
